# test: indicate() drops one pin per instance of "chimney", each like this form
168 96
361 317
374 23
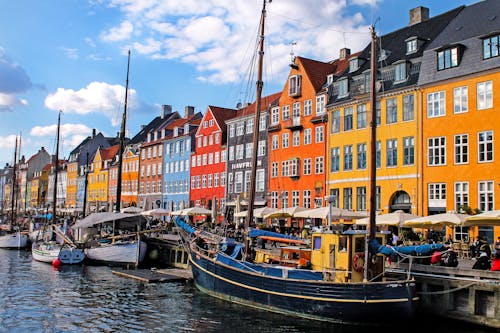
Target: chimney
418 15
165 110
188 111
344 53
142 127
93 133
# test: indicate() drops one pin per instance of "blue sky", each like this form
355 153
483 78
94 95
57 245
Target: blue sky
71 55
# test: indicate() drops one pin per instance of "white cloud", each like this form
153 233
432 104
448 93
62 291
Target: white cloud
71 135
8 141
122 32
215 35
97 97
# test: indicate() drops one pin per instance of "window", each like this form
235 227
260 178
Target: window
343 87
348 198
294 85
320 104
411 46
347 157
231 133
348 122
306 199
485 196
335 165
284 140
240 127
260 175
447 58
284 168
361 156
436 151
318 131
408 107
335 121
238 182
284 199
361 198
437 194
408 150
248 150
307 107
484 95
261 148
274 199
285 113
436 104
461 149
392 152
274 169
307 136
296 109
275 115
400 72
353 65
378 112
296 138
274 142
249 126
460 100
461 196
391 112
361 116
319 165
491 47
307 166
485 146
294 166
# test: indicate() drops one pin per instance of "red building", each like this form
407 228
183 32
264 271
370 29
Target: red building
208 161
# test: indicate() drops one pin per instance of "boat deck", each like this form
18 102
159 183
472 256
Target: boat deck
156 275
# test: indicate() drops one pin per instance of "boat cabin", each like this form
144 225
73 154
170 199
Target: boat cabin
342 255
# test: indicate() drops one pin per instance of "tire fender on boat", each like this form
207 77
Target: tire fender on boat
358 261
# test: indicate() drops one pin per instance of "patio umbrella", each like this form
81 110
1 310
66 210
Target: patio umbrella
491 218
257 212
196 211
436 221
395 218
284 212
131 210
337 213
156 212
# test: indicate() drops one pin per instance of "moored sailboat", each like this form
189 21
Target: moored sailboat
339 277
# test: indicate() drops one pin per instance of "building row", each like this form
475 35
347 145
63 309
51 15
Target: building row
435 151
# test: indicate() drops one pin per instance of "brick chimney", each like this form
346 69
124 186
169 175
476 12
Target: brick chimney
93 133
165 110
344 53
188 111
418 14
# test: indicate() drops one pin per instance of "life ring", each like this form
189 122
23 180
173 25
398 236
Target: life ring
358 261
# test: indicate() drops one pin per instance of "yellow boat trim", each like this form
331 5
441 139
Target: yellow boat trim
395 300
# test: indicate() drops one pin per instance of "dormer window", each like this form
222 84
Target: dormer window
400 71
149 137
186 128
384 54
176 131
329 79
295 85
411 45
491 46
353 65
343 87
448 57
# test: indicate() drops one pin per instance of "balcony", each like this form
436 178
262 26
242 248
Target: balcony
293 124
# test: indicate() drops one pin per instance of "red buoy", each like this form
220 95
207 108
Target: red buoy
56 263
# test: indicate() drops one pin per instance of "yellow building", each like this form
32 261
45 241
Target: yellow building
98 178
71 190
460 84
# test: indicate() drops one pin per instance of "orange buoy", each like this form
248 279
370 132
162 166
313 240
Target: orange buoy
56 263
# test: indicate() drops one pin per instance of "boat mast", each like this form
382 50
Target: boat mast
86 184
260 84
13 190
373 149
56 167
122 139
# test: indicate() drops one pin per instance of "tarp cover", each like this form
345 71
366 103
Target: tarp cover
97 218
258 232
415 250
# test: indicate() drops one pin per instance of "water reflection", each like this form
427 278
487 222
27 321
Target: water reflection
34 297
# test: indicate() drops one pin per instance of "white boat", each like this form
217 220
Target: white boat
51 250
119 252
13 240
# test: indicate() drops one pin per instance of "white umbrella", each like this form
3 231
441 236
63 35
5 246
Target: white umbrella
284 212
196 211
491 218
436 221
131 210
337 213
156 212
257 212
395 218
96 218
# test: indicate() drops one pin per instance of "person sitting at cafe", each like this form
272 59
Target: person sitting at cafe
483 262
495 264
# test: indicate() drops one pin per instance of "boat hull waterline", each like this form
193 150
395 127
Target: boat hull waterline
15 240
48 252
117 253
355 303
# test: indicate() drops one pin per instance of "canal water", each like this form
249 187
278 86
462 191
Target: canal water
34 297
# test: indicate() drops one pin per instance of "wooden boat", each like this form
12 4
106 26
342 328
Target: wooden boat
13 240
345 283
51 250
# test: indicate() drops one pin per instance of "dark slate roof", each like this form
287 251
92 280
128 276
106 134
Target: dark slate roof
221 115
155 123
466 30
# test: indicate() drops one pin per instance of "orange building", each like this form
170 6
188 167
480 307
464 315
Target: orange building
130 178
297 137
71 189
